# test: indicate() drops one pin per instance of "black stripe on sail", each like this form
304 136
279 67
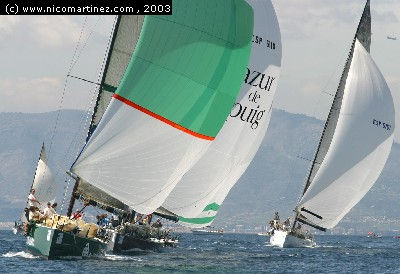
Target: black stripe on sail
168 217
312 213
166 214
311 224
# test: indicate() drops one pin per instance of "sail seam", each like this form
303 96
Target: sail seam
162 119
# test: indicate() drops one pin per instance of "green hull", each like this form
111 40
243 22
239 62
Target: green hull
56 244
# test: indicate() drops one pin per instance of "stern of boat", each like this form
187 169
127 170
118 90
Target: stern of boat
53 243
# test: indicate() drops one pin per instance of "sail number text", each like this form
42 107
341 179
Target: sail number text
259 40
381 124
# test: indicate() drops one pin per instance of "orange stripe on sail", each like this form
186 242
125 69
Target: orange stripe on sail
162 119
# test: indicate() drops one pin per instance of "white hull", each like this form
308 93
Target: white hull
263 234
283 239
206 232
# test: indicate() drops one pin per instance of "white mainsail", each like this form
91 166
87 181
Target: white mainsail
201 191
44 182
360 145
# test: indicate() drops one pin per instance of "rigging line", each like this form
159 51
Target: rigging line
75 56
66 183
334 72
65 88
84 44
85 80
77 45
101 72
77 53
71 146
324 127
84 124
90 109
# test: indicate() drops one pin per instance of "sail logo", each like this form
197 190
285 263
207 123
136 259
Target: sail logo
242 111
258 79
253 114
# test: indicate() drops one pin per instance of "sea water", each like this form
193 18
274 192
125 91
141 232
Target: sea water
227 253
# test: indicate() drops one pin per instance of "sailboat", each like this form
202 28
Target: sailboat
354 146
183 76
197 197
236 143
44 185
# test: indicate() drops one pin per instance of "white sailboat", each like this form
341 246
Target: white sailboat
197 197
208 230
354 146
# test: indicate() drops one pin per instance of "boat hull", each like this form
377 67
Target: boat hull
284 239
52 243
122 244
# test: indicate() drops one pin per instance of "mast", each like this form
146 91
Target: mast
363 34
92 127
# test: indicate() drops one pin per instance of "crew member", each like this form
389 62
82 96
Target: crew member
32 201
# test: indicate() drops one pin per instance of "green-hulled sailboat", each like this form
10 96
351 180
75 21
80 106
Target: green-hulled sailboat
168 85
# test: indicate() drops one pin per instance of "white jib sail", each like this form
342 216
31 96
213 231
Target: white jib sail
239 139
44 182
360 146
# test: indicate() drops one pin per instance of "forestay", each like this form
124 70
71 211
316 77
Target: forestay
177 91
360 145
198 195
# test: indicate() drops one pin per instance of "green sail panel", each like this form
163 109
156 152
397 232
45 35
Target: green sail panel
177 91
188 67
197 221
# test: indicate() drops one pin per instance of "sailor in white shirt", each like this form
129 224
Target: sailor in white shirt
32 201
49 211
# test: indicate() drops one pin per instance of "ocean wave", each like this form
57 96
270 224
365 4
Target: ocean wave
113 257
21 254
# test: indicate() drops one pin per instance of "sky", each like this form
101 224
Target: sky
37 52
